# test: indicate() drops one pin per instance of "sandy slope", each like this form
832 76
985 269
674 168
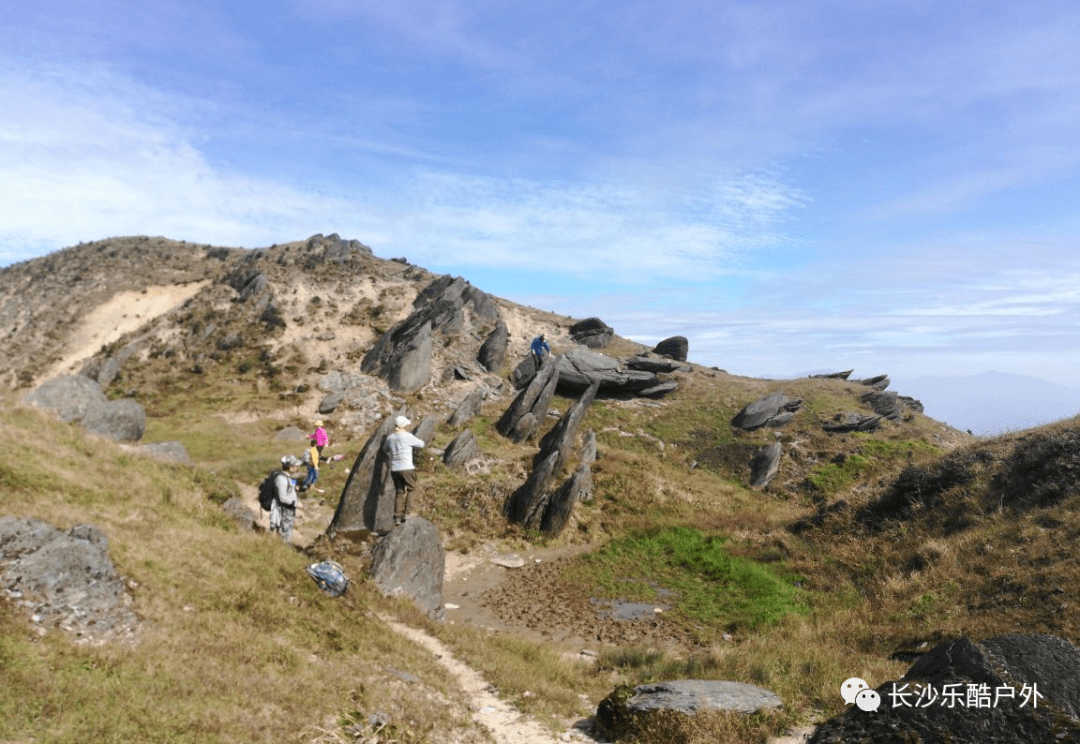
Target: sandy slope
123 313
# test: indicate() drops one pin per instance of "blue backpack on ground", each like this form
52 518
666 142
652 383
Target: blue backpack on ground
330 577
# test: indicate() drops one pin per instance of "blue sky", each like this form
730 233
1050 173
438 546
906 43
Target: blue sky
794 185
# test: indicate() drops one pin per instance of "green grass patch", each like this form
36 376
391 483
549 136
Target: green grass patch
697 575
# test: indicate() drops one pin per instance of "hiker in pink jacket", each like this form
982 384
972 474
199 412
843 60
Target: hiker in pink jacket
320 436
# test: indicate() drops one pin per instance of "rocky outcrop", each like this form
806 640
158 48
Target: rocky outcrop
532 505
529 408
775 409
403 355
409 562
65 579
592 332
78 399
626 712
580 368
765 465
676 347
1004 672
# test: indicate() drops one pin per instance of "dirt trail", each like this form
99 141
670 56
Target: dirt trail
505 723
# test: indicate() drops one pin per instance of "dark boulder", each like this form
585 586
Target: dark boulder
849 421
592 332
367 501
492 352
560 507
409 562
524 372
652 363
468 407
627 712
775 409
461 450
880 382
890 405
676 347
834 375
765 465
1004 673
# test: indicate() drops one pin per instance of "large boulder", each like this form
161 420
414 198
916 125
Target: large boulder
71 397
775 409
123 420
676 347
65 579
592 332
1015 689
628 712
409 562
849 421
78 399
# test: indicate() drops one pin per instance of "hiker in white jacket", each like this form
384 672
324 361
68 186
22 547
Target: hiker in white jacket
399 448
283 510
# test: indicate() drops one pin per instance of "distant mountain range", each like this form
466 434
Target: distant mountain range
991 403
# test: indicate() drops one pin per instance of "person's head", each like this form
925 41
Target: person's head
542 337
313 441
401 422
288 462
319 423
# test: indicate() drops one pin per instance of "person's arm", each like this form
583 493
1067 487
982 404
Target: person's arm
415 442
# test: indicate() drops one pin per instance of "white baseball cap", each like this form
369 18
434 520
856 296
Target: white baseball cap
402 421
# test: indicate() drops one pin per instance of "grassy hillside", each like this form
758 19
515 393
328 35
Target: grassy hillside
865 548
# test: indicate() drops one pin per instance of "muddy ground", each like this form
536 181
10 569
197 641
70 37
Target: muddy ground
532 602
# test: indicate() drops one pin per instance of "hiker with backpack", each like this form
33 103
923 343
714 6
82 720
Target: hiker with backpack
399 448
281 489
